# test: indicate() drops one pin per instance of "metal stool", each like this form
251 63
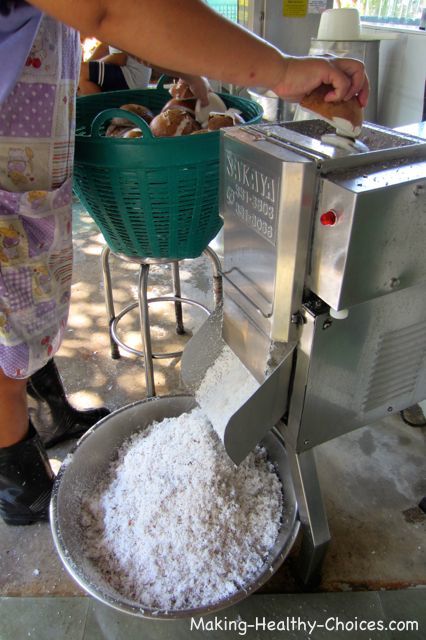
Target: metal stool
144 302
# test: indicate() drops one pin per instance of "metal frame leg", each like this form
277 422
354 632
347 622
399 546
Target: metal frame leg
312 514
146 329
180 329
217 277
109 301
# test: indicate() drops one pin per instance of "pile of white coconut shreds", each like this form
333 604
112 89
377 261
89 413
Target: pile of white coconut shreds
177 525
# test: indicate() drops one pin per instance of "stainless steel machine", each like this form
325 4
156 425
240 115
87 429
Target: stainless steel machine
324 292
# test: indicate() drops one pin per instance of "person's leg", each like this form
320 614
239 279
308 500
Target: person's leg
26 477
86 86
45 385
13 410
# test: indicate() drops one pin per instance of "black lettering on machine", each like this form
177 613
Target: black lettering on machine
252 195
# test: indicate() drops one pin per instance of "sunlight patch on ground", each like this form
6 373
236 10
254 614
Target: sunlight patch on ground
122 295
160 378
84 399
131 382
132 339
67 351
79 320
82 290
93 250
55 464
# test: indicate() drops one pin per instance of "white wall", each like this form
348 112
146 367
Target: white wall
291 35
402 74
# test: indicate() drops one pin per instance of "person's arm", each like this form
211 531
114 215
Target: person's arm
189 36
118 59
199 85
100 51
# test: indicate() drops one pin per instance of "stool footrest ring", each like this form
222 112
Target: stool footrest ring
130 307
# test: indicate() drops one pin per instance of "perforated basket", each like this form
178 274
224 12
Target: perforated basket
151 197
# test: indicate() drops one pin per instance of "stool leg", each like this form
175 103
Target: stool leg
217 277
146 329
106 272
180 329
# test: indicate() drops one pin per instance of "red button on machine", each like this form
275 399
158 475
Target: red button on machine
329 218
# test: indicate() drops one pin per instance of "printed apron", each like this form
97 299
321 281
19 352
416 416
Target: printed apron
36 155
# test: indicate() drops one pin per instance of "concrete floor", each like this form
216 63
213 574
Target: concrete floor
310 616
372 479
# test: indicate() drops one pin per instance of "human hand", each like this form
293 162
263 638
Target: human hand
302 75
199 86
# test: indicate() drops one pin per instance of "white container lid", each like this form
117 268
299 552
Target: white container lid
339 24
343 25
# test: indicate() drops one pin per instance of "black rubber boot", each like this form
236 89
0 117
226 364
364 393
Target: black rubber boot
67 422
26 480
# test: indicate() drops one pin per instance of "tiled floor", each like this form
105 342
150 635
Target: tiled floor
389 615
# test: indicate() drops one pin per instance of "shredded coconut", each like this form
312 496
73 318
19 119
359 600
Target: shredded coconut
176 524
226 385
67 460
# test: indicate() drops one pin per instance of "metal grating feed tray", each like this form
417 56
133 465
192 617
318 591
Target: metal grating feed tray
373 136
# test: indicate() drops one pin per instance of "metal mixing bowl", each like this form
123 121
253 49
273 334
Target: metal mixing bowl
87 465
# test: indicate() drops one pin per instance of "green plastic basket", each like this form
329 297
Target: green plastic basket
151 197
